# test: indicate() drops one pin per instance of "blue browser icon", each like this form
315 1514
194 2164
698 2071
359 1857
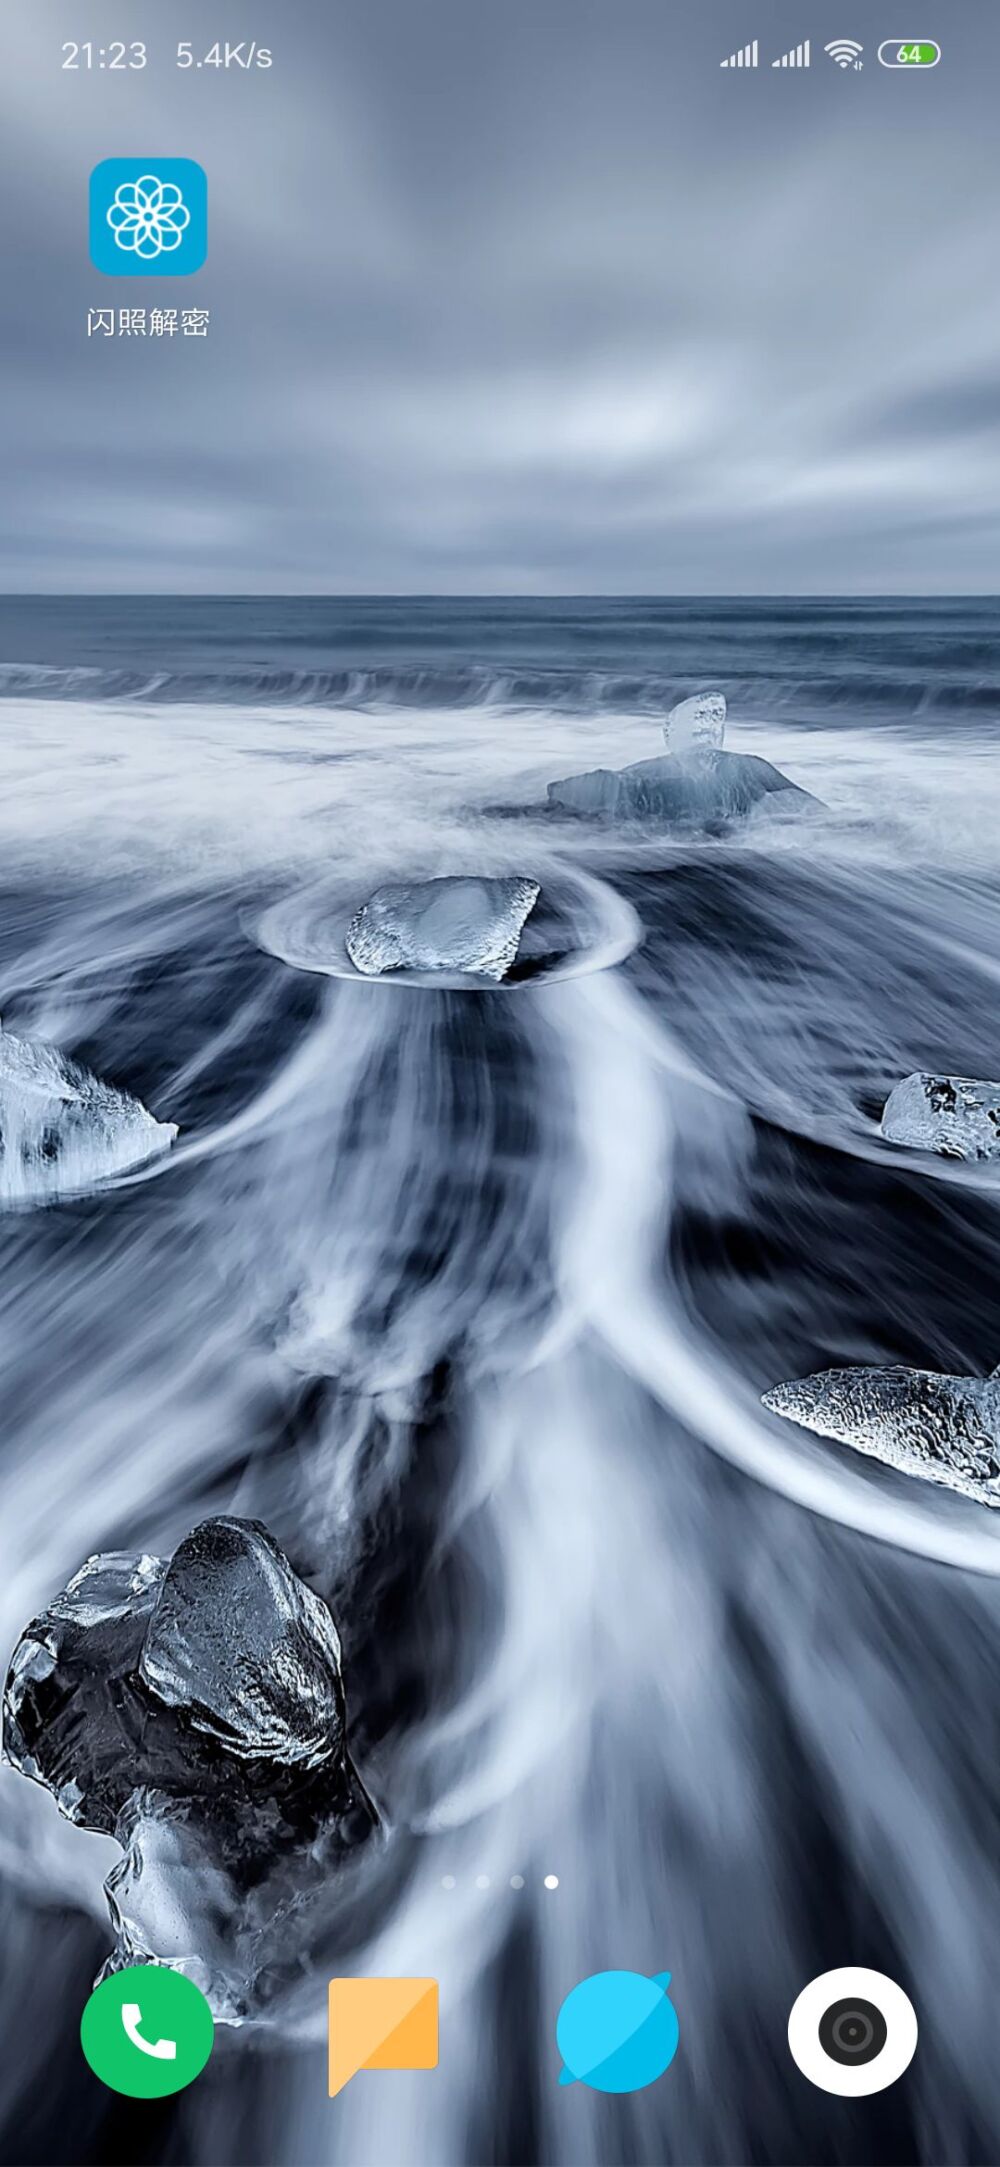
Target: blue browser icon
148 217
617 2031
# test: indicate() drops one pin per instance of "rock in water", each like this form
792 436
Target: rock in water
943 1429
61 1129
956 1116
194 1709
455 924
697 725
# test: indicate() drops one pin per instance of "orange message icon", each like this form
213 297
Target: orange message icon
381 2024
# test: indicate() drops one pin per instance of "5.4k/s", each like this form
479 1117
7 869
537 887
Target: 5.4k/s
247 55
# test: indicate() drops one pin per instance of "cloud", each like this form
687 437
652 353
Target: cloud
514 300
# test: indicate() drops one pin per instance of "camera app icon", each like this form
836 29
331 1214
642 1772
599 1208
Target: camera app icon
852 2031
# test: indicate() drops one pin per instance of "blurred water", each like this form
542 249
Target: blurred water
471 1298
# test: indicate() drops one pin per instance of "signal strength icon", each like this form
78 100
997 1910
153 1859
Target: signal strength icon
846 52
797 58
745 58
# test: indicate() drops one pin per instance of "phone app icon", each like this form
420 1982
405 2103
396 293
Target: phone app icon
148 217
147 2031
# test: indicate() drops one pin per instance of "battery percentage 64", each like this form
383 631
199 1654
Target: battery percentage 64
909 53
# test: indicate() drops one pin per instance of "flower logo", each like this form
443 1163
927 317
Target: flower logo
148 216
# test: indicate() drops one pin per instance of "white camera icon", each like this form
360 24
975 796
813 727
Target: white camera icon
852 2031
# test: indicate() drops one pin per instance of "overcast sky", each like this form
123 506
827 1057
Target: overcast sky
526 297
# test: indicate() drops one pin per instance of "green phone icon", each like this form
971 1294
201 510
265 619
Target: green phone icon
147 2031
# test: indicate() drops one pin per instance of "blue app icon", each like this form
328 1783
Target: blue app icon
148 217
617 2031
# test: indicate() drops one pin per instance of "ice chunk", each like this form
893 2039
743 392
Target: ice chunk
73 1719
692 792
455 924
107 1588
243 1903
178 1673
282 1699
194 1709
61 1129
956 1116
942 1429
171 1899
697 725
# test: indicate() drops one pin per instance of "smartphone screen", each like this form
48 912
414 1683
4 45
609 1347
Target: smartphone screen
499 1083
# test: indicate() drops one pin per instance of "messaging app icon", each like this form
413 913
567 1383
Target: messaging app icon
617 2031
147 2031
381 2024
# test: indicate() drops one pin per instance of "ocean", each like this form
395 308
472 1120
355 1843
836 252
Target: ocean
470 1296
888 657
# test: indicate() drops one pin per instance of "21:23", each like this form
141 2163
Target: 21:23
104 56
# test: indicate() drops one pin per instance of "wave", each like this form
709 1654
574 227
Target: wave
857 691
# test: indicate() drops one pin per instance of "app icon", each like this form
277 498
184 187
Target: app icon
148 217
617 2031
852 2031
147 2031
381 2024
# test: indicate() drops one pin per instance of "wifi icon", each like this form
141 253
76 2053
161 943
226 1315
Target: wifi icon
846 52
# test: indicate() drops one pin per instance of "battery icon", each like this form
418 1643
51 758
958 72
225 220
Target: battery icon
909 53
